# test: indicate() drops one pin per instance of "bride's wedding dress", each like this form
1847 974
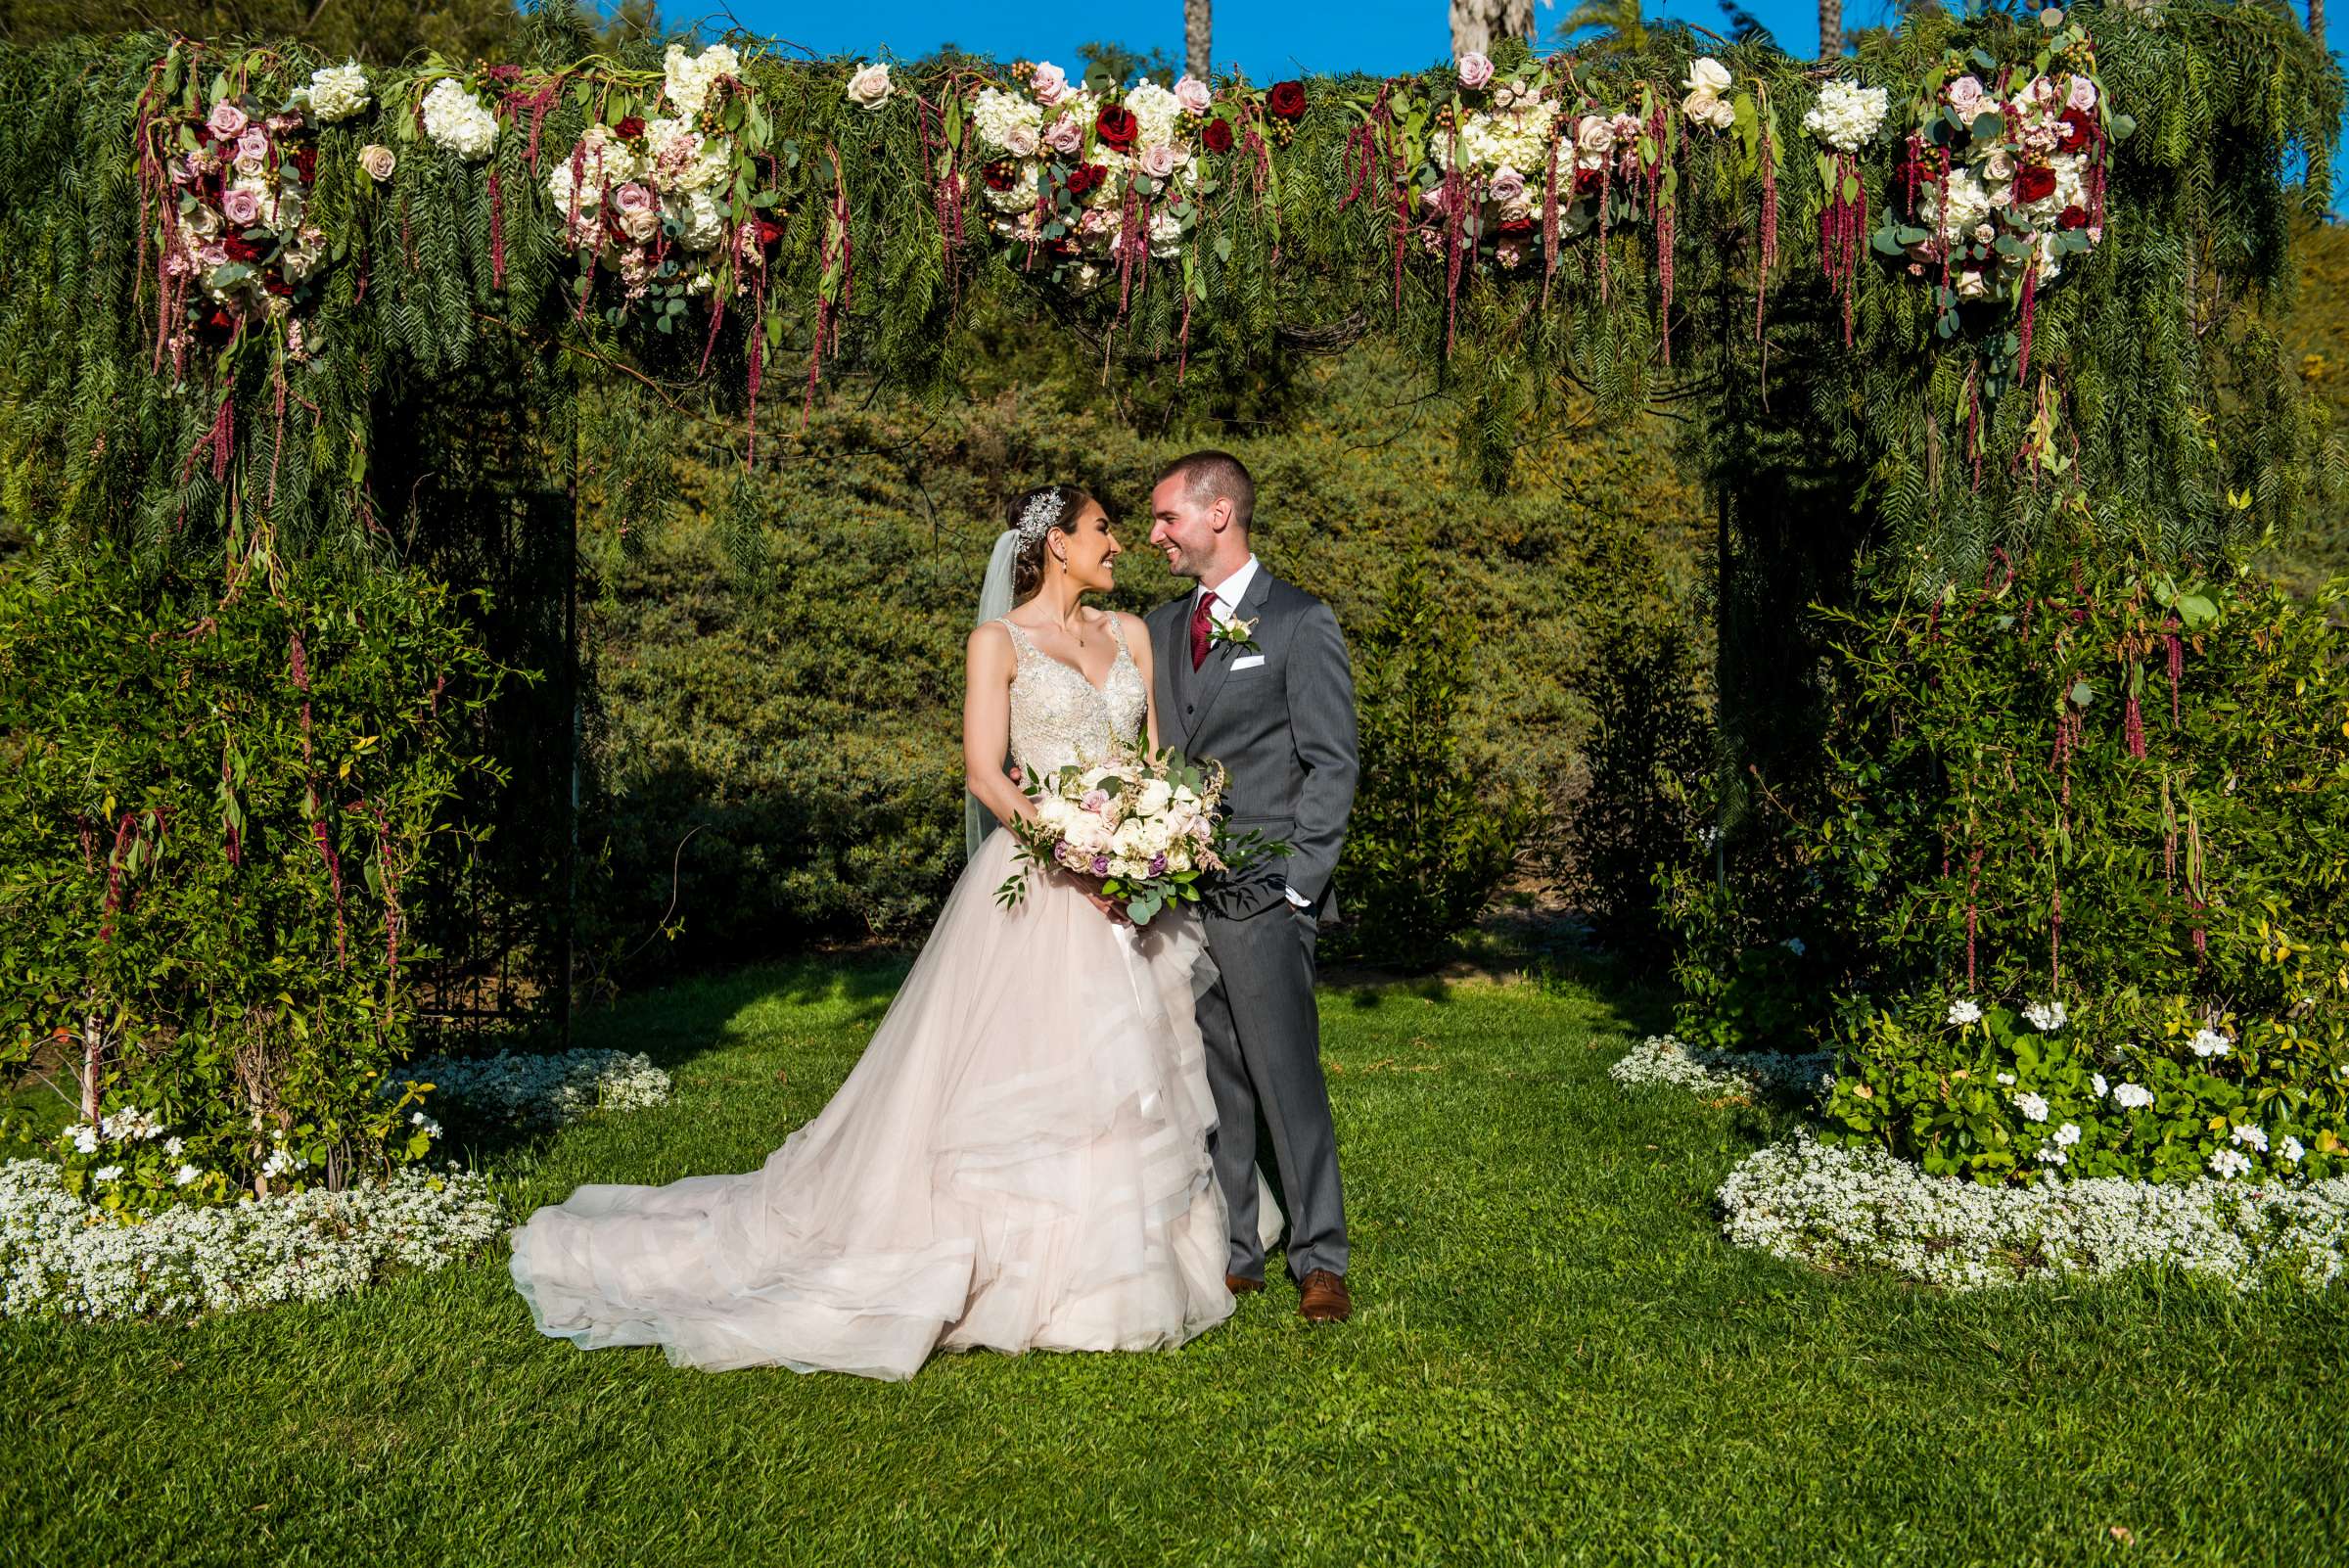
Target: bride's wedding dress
1018 1162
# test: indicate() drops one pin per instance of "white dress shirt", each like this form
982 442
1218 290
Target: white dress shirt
1224 602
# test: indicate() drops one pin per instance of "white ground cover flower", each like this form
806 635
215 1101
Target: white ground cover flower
2032 1106
2132 1096
1662 1059
60 1255
1963 1011
543 1089
2046 1017
1846 1208
2210 1043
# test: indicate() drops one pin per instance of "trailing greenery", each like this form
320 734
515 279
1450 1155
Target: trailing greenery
215 820
2138 348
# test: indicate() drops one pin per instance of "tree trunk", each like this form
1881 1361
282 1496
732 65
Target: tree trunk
1198 17
2315 21
1478 25
1830 27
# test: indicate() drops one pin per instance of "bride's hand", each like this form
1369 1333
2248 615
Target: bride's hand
1112 907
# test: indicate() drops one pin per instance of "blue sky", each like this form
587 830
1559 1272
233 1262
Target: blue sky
1268 40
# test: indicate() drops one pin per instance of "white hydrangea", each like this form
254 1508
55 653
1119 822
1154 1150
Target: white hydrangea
544 1089
604 162
2210 1043
458 122
1842 1208
1965 1011
2033 1108
60 1254
1517 138
2131 1097
1662 1059
1157 111
1847 115
2046 1017
339 92
701 222
1005 119
687 80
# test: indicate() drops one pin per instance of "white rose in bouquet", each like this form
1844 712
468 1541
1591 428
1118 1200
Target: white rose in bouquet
1156 796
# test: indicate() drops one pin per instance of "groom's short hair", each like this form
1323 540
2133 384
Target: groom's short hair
1212 476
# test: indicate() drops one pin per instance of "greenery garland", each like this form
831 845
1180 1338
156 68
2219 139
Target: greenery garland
787 213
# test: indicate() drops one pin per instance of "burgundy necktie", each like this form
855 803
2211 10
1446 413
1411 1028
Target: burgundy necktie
1203 622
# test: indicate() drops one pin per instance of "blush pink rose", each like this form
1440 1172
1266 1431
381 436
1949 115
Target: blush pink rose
242 207
1094 801
1507 186
1050 83
1194 95
1966 97
227 120
1475 71
1158 161
638 209
254 144
1020 141
1064 135
2083 95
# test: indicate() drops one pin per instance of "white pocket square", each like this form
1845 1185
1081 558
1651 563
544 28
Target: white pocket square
1249 663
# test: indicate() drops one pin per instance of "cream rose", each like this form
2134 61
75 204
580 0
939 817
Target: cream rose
1707 75
871 87
376 160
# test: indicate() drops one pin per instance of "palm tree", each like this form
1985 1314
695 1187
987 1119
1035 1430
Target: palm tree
1617 20
1197 25
1830 27
1477 25
2315 21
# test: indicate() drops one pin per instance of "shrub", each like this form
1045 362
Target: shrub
1432 835
2114 793
210 816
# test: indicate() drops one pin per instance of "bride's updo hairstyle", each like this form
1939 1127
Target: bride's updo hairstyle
1045 510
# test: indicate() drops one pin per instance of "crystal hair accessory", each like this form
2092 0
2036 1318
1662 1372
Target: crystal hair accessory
1039 514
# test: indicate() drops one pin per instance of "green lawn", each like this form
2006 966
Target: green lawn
1554 1358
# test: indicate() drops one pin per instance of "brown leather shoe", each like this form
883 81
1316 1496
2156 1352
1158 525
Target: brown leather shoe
1322 1298
1241 1284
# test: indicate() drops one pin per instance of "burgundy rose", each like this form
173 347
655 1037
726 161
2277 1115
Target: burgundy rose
305 163
240 249
1286 100
274 284
1085 178
1218 136
2076 126
630 128
220 320
1117 127
1586 181
1517 228
2035 183
1002 174
2072 218
771 234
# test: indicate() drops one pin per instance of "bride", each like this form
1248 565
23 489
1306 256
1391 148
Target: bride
1019 1161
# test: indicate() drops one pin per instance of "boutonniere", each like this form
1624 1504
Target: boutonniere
1235 632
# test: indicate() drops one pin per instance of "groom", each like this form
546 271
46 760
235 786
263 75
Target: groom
1253 672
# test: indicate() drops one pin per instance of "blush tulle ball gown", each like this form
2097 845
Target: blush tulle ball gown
1018 1162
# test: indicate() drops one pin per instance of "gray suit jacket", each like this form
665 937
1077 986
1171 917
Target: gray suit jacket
1283 728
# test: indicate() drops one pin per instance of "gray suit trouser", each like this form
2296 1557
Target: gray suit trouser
1263 1036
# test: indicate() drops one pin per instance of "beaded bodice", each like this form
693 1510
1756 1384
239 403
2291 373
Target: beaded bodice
1059 717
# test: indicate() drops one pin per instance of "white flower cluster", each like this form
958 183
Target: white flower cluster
1847 115
339 92
459 123
1842 1208
60 1255
2029 183
1516 138
1963 1011
2210 1043
1008 121
2047 1017
544 1089
1708 78
687 80
1108 823
1662 1059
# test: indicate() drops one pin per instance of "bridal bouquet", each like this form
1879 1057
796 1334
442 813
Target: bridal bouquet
1143 823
